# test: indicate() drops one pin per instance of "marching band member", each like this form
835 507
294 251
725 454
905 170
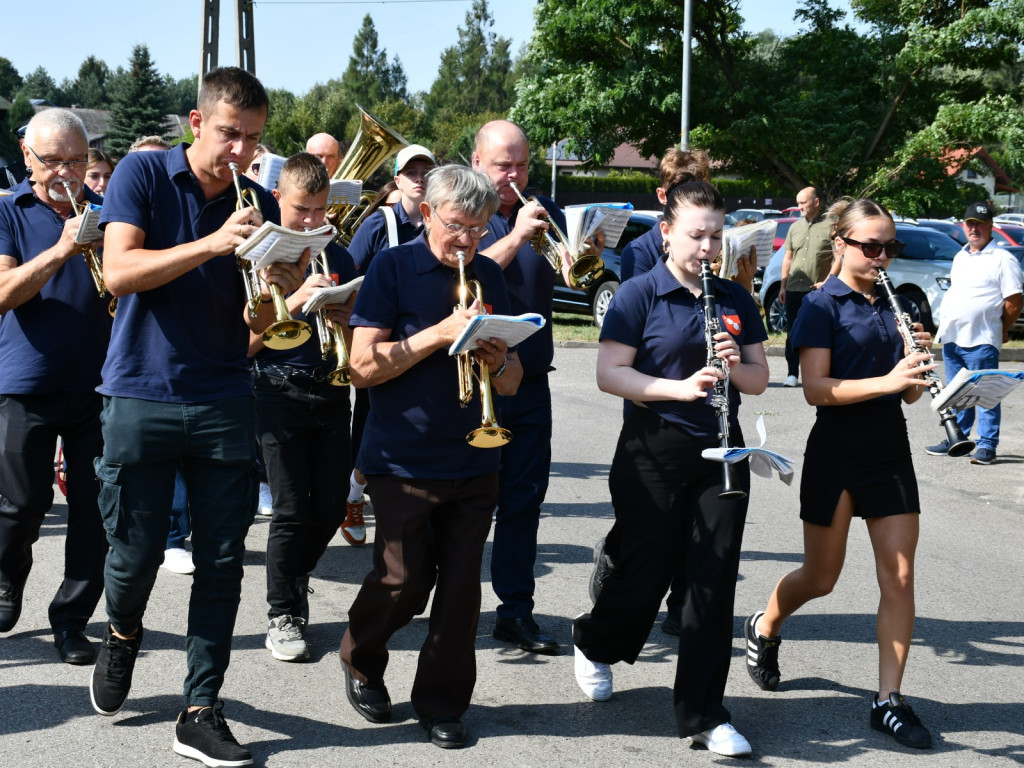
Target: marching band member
54 330
178 392
302 423
421 471
857 461
669 519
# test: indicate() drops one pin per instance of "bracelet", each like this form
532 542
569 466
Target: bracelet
498 373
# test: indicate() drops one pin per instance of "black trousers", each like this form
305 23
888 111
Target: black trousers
670 521
302 427
794 300
30 426
404 566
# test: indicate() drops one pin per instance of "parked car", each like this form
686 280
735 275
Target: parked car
783 229
595 300
1018 251
921 273
952 228
755 214
1008 234
1009 218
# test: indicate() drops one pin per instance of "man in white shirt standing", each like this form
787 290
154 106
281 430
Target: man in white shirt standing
983 303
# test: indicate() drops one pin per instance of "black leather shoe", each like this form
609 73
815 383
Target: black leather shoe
673 623
445 732
74 647
525 633
370 701
10 604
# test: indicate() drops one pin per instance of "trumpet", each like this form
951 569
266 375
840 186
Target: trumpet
488 434
92 258
585 269
285 332
331 338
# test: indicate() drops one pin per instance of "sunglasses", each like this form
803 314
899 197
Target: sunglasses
873 250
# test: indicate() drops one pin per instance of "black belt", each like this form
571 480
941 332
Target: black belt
317 375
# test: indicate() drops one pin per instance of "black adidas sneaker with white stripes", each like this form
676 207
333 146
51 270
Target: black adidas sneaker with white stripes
895 717
762 655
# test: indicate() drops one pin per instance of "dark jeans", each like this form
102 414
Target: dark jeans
180 526
404 567
794 300
670 522
214 444
303 431
525 468
29 428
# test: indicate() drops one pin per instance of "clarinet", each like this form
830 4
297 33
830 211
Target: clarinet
719 399
958 444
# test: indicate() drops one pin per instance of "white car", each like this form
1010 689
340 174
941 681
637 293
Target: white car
921 274
1009 218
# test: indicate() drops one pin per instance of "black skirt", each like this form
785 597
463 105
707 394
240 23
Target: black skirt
864 449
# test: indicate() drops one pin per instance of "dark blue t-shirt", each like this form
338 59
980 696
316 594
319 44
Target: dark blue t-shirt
531 282
863 337
308 355
640 255
185 341
372 236
55 341
664 322
416 427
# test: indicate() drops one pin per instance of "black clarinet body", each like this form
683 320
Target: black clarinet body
959 444
720 395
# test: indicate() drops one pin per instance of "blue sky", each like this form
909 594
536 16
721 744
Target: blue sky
297 43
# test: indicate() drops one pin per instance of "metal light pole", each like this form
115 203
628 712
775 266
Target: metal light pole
684 132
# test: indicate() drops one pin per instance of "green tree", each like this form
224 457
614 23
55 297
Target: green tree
370 78
39 85
90 88
10 80
181 94
21 111
138 107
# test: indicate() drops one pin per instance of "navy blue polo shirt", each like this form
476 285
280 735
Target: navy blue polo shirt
55 341
664 322
863 337
372 236
641 254
308 355
531 282
416 427
185 341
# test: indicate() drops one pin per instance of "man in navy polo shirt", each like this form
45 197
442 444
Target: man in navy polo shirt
54 330
422 472
503 153
178 393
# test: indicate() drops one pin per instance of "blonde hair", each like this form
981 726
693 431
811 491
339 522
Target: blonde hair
846 213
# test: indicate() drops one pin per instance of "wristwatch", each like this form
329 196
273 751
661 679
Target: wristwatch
497 374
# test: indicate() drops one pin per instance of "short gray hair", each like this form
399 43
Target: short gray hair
56 119
149 141
468 191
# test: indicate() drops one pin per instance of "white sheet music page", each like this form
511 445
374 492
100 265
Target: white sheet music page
338 294
89 230
512 329
272 243
986 388
762 461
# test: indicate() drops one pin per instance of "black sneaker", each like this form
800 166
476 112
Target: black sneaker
10 604
896 718
603 568
112 675
762 655
204 735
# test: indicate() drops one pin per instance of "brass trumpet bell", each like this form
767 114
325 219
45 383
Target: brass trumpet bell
489 437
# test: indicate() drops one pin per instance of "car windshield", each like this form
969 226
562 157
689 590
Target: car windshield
926 243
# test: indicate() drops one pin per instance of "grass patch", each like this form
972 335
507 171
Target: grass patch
571 327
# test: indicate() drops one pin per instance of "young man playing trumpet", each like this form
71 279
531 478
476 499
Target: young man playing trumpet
302 420
179 393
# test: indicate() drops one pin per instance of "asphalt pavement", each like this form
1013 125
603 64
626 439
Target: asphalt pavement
964 676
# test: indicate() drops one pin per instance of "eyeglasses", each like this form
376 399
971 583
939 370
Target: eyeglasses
55 165
890 250
457 230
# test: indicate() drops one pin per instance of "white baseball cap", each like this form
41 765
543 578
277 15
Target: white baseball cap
412 152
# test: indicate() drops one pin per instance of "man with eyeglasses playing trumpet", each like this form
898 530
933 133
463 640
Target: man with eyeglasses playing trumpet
302 421
54 330
421 470
179 393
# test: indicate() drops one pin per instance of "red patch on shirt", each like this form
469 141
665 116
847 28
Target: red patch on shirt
334 277
489 309
733 324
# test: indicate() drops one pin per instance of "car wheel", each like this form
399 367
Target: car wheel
920 310
774 311
602 298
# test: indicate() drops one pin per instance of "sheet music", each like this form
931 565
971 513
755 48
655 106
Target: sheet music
272 243
344 192
338 294
512 329
762 461
89 230
270 170
581 221
986 388
736 241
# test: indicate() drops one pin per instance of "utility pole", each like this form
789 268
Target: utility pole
684 132
245 41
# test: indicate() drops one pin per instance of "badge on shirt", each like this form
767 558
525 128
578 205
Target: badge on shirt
733 324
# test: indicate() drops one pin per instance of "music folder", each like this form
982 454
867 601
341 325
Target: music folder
512 329
337 294
985 388
762 461
89 230
272 243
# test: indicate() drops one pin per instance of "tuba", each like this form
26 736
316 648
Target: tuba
488 434
585 269
91 257
375 141
284 332
331 338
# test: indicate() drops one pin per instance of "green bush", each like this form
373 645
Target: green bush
639 183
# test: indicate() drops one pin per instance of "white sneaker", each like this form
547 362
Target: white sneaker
286 639
593 678
724 740
178 560
266 505
791 381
